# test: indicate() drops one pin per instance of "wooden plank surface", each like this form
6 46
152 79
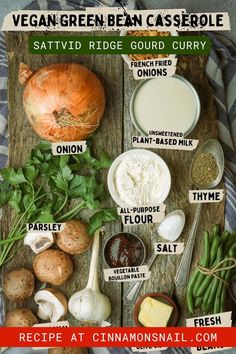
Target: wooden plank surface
114 136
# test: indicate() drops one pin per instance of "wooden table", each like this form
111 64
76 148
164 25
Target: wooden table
114 136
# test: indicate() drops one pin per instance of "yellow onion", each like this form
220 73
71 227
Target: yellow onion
63 102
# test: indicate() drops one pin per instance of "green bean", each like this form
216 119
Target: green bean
230 242
224 237
198 302
208 278
214 248
206 308
189 294
207 292
217 301
222 299
204 262
206 282
215 230
216 281
223 292
225 274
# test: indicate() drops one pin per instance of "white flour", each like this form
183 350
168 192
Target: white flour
139 180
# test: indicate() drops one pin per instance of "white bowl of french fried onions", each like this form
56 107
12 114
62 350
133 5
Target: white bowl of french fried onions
147 32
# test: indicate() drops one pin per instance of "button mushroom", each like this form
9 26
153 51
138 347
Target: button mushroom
52 304
39 242
20 318
53 267
74 239
18 285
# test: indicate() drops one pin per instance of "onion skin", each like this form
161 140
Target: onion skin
63 102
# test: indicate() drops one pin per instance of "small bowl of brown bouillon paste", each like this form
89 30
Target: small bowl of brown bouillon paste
124 250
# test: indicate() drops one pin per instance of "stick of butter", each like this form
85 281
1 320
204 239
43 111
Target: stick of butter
154 313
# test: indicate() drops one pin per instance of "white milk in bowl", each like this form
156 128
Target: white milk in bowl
165 104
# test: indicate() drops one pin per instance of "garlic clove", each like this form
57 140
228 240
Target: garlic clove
52 304
39 242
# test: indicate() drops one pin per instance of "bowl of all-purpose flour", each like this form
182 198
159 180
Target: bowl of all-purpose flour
139 178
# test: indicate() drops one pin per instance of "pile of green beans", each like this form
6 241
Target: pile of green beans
207 292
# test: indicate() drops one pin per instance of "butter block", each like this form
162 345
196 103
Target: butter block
154 313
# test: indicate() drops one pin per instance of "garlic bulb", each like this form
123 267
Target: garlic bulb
90 304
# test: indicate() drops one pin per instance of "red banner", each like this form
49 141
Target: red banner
118 337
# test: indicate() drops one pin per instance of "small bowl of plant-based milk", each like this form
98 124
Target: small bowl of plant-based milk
139 178
165 104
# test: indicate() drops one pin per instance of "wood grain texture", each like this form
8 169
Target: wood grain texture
114 136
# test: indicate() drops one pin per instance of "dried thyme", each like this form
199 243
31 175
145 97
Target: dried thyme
205 169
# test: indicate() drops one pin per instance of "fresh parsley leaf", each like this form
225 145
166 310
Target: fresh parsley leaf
62 178
15 200
92 204
101 217
43 145
77 187
82 187
27 202
86 157
58 200
45 215
104 161
34 161
47 156
12 176
66 173
5 173
30 173
26 188
39 155
5 192
83 161
46 218
63 160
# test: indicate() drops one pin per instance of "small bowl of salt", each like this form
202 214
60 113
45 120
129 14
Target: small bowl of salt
172 225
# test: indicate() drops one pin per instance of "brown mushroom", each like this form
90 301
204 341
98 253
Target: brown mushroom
20 318
68 351
18 285
74 239
53 267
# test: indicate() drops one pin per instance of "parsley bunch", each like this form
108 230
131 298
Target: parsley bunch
43 190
